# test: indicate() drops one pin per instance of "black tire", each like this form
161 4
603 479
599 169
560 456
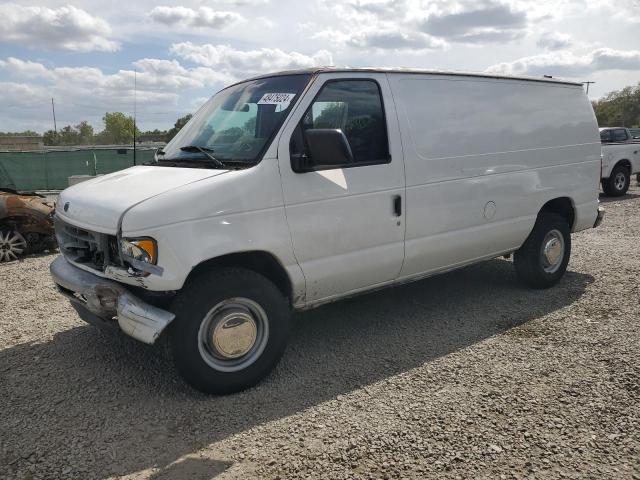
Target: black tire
193 357
529 259
614 186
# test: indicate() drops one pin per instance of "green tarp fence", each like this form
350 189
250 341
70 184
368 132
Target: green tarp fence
51 169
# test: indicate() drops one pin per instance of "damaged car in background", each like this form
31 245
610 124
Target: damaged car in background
26 221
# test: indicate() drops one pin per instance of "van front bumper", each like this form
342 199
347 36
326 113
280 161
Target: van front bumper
99 301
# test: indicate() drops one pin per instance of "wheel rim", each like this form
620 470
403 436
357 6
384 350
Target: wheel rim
552 251
233 334
12 245
620 181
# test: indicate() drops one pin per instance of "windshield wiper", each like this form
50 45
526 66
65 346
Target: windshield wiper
205 151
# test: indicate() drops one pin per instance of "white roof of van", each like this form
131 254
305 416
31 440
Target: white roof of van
316 70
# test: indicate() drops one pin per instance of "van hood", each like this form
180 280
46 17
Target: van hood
98 204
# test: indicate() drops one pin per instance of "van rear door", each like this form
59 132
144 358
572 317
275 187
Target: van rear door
346 220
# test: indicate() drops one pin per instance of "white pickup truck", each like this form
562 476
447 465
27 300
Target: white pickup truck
620 159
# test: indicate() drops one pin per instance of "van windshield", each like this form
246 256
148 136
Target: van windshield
237 124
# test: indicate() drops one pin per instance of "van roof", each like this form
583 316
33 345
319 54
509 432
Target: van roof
316 70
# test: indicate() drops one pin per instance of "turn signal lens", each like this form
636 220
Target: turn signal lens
141 249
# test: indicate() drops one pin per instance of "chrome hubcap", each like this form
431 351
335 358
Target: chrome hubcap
552 251
233 334
620 181
12 245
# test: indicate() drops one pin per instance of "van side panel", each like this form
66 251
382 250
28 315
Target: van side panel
482 157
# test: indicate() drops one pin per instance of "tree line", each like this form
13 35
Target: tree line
620 108
118 130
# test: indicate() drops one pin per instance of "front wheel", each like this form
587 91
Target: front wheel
542 260
230 330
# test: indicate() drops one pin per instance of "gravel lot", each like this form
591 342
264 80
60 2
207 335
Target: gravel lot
465 375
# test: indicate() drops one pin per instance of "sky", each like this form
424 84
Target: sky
84 54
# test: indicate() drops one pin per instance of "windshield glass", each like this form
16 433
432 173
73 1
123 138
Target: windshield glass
237 123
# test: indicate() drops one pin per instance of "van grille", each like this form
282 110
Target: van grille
83 246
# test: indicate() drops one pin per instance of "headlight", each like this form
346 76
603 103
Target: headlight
140 249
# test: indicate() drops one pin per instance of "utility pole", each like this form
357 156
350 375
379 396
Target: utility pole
587 84
135 95
53 107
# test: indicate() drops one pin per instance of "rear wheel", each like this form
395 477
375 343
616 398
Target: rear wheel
543 258
12 245
230 330
618 182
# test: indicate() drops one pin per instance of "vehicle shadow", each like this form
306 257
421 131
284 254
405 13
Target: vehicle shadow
627 196
118 407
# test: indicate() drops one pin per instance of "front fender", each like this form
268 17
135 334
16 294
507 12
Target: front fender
182 246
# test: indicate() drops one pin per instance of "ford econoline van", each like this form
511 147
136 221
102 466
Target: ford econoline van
294 189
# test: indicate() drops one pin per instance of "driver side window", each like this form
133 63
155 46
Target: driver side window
355 107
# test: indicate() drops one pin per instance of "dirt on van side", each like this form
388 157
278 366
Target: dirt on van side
465 375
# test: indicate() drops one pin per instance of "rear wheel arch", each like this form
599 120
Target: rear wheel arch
259 261
562 206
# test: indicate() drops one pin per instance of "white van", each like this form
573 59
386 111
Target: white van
295 189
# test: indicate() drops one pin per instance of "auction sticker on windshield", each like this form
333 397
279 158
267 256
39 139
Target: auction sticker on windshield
282 100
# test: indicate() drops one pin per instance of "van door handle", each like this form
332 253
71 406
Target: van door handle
397 205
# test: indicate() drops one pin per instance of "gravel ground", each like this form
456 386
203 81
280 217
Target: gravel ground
465 375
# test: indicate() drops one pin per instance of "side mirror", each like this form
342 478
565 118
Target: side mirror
327 147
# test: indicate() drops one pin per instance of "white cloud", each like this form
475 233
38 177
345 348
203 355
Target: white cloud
188 17
379 8
382 38
88 92
26 69
394 40
375 25
21 94
151 75
568 64
413 25
245 3
554 41
476 22
65 28
242 63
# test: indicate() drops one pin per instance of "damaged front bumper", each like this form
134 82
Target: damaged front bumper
99 301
